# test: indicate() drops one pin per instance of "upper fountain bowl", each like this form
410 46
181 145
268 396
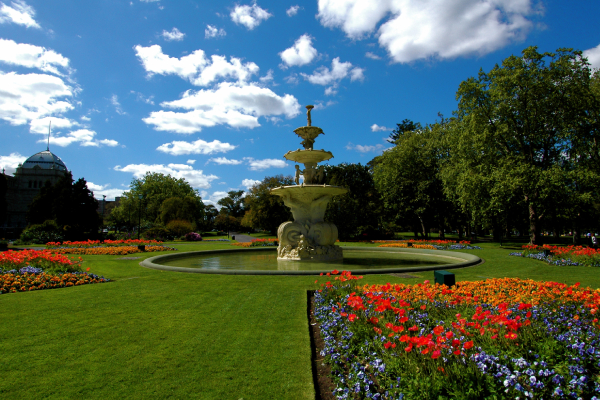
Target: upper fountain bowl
308 156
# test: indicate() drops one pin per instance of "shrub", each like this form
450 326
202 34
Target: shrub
193 237
158 234
42 233
180 227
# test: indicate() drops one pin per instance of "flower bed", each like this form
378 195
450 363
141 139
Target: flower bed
109 250
257 243
44 259
500 338
216 240
429 244
98 243
29 279
562 255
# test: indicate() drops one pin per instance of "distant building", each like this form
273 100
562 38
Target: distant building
26 183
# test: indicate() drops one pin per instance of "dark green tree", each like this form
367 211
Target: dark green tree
264 210
358 212
233 204
405 126
70 204
188 208
3 203
528 133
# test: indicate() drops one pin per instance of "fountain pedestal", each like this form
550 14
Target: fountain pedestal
308 237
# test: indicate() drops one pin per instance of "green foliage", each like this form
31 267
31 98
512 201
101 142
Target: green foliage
233 204
3 203
405 126
157 233
226 223
71 204
43 233
357 212
527 135
208 221
188 208
264 210
180 227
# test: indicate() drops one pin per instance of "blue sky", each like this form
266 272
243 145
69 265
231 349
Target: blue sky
211 90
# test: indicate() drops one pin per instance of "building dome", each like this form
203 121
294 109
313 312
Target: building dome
45 160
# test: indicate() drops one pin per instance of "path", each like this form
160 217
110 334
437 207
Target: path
241 238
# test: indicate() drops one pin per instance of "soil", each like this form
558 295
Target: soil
324 386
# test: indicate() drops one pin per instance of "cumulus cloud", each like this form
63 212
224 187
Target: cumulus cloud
249 16
365 149
213 31
418 29
224 161
339 70
31 96
18 13
195 177
178 148
195 67
172 35
10 162
301 53
259 165
191 162
593 56
104 190
248 183
372 56
213 198
238 106
30 56
293 10
84 137
41 125
377 128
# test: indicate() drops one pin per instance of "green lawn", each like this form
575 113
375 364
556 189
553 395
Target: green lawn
155 334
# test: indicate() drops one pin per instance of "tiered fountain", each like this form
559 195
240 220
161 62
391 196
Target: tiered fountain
308 237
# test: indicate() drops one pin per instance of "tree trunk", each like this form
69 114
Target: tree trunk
460 232
534 226
441 233
496 230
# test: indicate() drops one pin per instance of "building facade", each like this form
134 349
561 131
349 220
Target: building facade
39 169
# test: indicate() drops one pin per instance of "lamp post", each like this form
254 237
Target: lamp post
140 197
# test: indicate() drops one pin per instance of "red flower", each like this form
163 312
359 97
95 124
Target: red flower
468 345
436 354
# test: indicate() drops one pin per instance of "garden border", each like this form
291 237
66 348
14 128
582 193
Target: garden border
469 261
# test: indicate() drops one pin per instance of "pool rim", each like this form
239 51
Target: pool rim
469 261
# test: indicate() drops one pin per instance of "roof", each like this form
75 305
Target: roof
45 160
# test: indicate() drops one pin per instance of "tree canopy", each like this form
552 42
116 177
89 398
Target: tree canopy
264 210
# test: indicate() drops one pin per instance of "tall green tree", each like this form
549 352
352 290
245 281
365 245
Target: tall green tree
70 204
233 204
188 208
405 126
264 210
3 203
527 129
357 212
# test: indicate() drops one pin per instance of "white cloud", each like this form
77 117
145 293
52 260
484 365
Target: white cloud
178 148
114 100
418 29
213 198
267 78
84 137
238 106
291 79
377 128
372 56
365 149
213 31
173 35
20 13
31 96
10 163
224 161
142 98
195 67
100 190
41 125
301 53
249 16
293 10
196 178
84 118
339 70
331 91
593 56
248 183
259 165
30 56
190 162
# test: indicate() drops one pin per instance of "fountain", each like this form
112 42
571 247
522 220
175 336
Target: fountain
308 237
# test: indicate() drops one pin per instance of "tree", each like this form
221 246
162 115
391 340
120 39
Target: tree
264 210
3 203
188 208
528 133
70 204
226 223
405 126
357 212
210 213
233 204
154 188
407 177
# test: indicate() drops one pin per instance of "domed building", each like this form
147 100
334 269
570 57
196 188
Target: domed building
39 169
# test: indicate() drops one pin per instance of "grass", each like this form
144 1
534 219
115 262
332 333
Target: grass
154 334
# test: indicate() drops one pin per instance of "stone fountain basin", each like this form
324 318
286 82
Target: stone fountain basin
308 156
443 260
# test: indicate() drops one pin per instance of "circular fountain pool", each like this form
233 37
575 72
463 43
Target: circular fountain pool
263 261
